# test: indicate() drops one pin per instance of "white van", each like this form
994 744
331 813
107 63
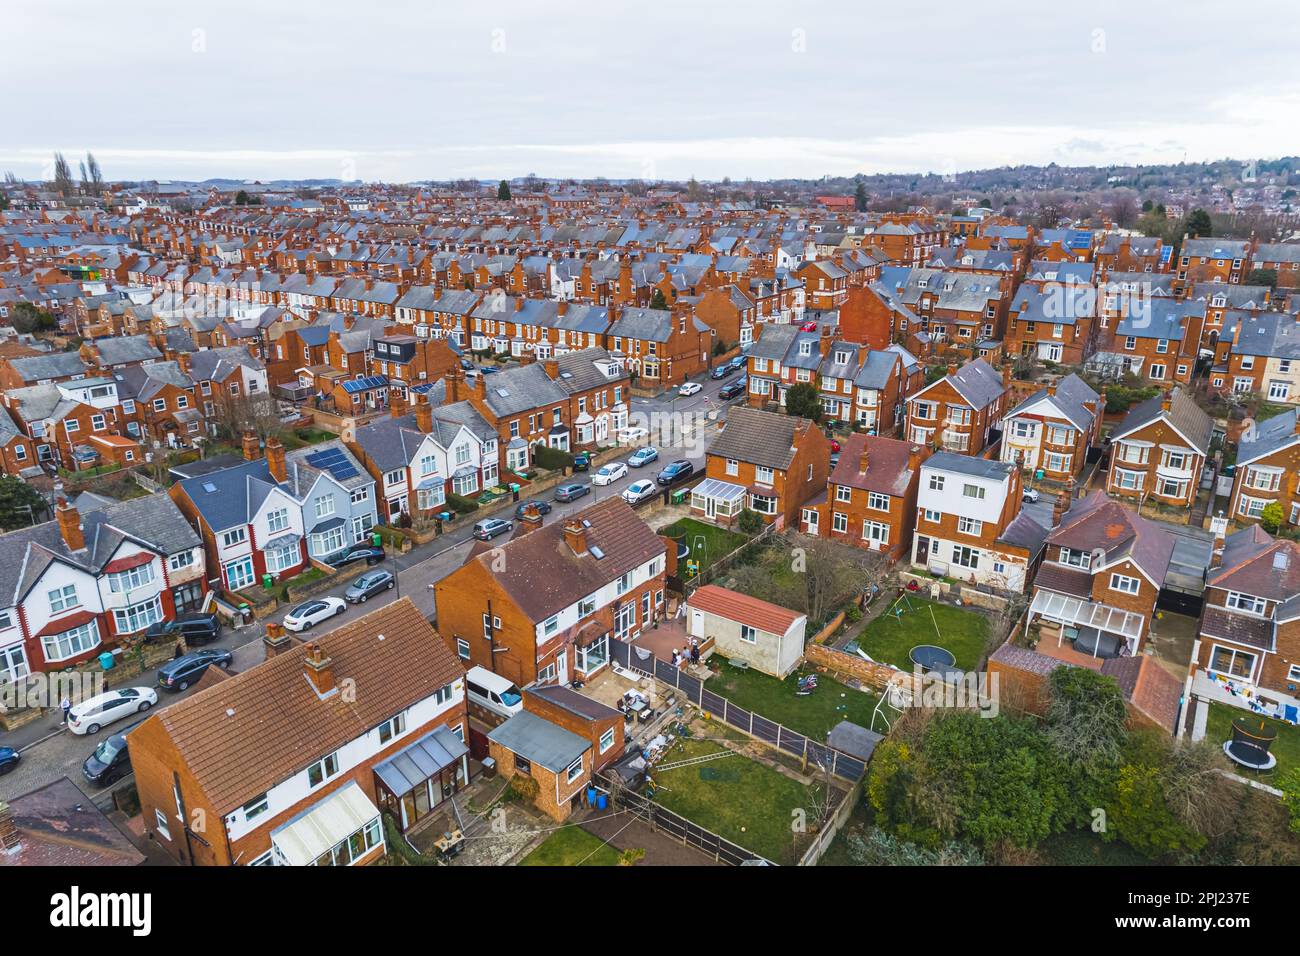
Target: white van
493 692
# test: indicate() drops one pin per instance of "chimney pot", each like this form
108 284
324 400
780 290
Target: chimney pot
914 457
424 416
396 403
276 640
320 670
252 446
952 368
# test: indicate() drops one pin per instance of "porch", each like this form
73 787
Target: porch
414 782
718 500
1093 631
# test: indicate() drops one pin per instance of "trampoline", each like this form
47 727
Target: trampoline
930 657
1249 744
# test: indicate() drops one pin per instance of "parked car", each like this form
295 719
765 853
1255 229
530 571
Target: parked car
640 491
99 711
1029 494
492 691
194 628
582 461
723 370
108 762
835 445
643 456
358 552
732 389
676 471
543 506
689 388
808 327
489 369
188 668
466 364
738 362
313 612
629 436
571 491
9 759
608 474
372 582
489 528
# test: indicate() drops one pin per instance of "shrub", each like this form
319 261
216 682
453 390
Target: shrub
1270 519
750 522
524 787
460 505
552 459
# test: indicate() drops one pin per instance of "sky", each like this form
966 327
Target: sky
399 90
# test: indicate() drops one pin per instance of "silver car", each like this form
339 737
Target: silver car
370 583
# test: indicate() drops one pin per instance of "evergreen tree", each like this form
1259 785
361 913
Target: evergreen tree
503 190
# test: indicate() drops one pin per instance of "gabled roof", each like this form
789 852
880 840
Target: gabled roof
978 382
1254 563
1097 522
758 437
241 736
1270 435
1183 415
1073 395
734 606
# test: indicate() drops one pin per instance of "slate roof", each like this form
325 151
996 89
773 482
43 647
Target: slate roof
153 521
968 465
758 437
1183 414
1271 435
1096 523
521 389
122 350
1270 333
241 736
1255 564
56 365
1071 401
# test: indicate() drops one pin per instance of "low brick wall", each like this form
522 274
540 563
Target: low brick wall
870 673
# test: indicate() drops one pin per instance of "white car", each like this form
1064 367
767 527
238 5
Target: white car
608 474
1030 495
628 436
690 388
313 612
90 715
639 491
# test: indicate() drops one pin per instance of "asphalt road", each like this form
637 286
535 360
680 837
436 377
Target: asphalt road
49 751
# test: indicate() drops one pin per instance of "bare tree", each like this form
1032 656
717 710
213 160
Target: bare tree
236 414
62 175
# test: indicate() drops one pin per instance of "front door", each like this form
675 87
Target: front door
922 549
562 667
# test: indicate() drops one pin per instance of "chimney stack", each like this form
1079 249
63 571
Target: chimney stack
1216 552
1006 373
1063 501
396 403
530 520
320 670
424 416
863 459
1166 402
1051 389
10 839
914 457
575 536
275 460
276 640
552 369
70 525
252 446
952 368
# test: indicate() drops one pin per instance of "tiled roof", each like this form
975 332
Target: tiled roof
242 736
744 609
758 437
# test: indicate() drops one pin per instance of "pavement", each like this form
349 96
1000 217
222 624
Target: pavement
49 751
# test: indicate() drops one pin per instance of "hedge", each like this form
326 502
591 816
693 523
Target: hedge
460 505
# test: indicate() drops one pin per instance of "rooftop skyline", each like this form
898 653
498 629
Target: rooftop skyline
416 91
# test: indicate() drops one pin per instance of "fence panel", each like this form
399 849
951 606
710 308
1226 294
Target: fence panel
765 730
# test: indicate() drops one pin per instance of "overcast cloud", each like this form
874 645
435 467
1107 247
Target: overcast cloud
401 90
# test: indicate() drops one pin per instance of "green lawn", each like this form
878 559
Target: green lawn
717 542
813 715
1218 728
737 798
572 846
889 639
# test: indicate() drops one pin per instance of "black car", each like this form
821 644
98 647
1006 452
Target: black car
8 759
582 461
108 762
732 389
543 507
738 362
188 668
195 628
722 371
571 491
359 552
678 470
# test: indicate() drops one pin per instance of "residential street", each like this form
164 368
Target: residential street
49 752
